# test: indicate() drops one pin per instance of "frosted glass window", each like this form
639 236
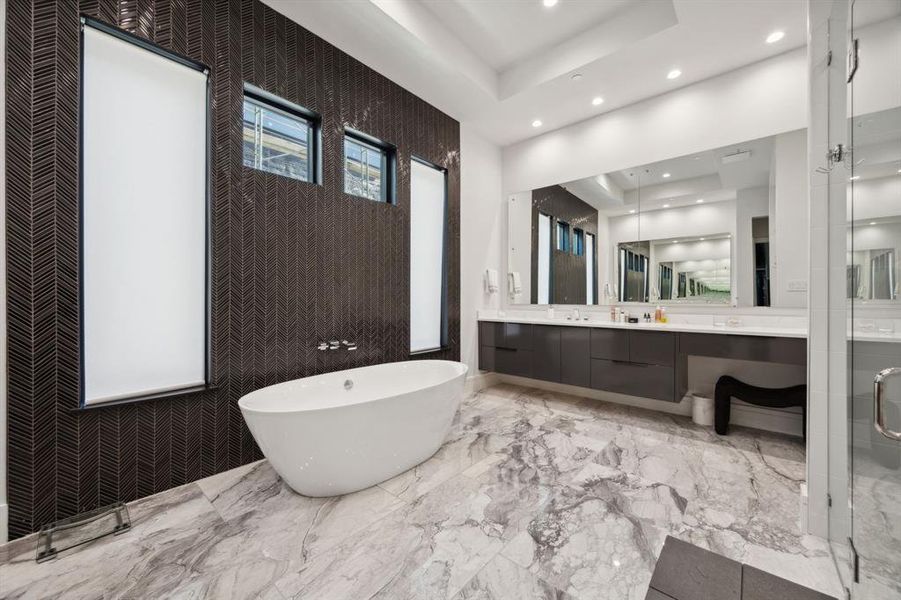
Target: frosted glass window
144 221
544 259
427 264
589 268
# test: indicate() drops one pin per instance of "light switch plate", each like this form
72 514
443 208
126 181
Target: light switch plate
797 285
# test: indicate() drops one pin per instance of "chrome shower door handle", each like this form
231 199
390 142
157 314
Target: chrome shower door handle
878 410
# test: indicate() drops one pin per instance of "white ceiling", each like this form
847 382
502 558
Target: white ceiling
503 32
497 65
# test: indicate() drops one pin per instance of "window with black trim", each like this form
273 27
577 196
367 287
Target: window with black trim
578 241
562 236
368 167
279 137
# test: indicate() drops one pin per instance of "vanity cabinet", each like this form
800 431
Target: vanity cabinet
637 363
546 363
575 356
506 348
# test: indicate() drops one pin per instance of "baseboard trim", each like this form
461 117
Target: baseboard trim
746 415
4 523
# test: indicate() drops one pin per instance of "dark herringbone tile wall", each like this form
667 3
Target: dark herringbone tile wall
292 262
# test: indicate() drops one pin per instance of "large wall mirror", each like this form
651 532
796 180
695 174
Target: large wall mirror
724 226
874 254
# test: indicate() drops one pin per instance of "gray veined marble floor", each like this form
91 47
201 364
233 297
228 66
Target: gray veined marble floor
534 495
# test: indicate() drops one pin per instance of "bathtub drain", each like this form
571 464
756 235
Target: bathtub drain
348 384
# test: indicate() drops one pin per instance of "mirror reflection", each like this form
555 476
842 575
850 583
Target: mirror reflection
700 228
872 271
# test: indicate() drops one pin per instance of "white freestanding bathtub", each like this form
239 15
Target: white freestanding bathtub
341 432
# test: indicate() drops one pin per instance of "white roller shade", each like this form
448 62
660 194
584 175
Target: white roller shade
144 221
427 209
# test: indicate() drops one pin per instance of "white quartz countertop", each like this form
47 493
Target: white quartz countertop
682 327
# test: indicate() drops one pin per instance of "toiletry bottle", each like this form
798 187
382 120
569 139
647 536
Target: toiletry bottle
612 313
663 317
550 311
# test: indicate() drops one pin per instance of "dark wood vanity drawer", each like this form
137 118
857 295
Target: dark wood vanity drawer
575 356
611 344
634 379
791 351
513 362
491 334
652 348
486 358
516 336
546 352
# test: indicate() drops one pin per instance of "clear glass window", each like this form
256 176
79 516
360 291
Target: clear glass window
365 170
277 141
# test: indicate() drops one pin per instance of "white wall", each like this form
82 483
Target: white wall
790 218
519 232
482 234
756 101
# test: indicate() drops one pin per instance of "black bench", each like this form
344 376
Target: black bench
729 387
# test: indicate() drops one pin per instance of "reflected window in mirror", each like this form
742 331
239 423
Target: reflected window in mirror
666 281
544 259
634 281
578 242
562 236
591 272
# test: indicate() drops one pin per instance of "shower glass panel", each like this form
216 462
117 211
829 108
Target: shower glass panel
874 236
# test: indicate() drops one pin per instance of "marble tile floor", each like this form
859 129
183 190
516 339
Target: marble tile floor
534 495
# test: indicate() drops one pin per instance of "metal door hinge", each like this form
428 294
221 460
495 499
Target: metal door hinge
853 57
829 500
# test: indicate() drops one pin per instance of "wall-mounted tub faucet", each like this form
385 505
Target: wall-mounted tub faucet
335 344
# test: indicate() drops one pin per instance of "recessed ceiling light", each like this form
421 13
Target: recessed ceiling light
597 101
872 222
576 76
665 175
673 74
700 201
675 241
632 212
666 206
899 170
536 123
775 37
700 239
855 178
549 3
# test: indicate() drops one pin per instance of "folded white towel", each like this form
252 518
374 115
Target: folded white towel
491 283
515 283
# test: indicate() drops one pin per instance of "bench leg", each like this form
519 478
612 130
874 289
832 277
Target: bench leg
723 409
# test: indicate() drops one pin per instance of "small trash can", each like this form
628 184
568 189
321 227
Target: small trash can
702 409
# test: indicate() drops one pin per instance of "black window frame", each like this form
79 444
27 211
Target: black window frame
285 107
388 187
563 243
578 241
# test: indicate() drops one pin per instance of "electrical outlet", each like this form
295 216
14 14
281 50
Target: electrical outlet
797 285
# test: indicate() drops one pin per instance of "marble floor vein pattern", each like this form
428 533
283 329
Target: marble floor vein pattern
534 495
